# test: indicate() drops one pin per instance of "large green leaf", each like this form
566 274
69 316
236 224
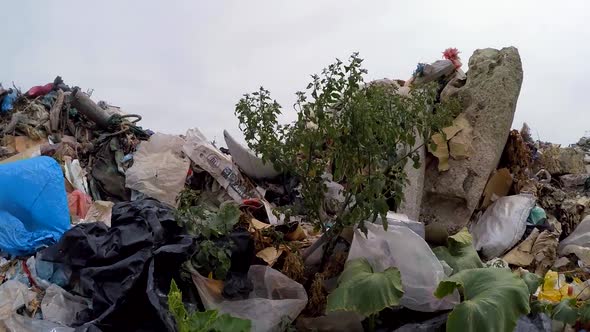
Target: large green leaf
364 291
206 321
459 253
566 311
531 280
224 220
494 299
211 321
584 313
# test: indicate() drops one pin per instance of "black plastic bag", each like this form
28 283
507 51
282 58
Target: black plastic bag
126 269
237 284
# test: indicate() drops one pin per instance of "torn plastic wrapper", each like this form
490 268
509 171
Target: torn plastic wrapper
400 247
159 170
33 205
219 165
75 174
275 298
100 211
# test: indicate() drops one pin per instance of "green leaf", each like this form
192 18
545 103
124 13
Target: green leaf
210 320
585 313
566 311
175 305
459 253
205 321
538 307
224 220
364 291
532 281
494 299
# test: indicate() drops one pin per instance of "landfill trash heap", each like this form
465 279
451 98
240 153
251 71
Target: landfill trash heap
107 226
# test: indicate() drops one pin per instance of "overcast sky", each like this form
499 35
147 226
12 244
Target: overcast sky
184 64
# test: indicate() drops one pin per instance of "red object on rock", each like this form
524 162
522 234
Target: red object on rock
453 55
39 90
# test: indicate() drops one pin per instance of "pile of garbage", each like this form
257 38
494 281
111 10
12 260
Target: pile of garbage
107 226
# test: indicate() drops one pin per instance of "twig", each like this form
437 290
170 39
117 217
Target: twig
409 154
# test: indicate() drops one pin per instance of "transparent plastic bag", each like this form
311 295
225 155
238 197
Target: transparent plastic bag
275 300
19 323
159 170
14 295
402 248
60 306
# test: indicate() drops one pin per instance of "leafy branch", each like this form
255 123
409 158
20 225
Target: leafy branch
362 134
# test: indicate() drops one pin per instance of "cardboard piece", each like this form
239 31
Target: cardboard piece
498 186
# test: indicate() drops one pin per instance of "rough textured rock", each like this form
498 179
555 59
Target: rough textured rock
489 99
572 181
559 161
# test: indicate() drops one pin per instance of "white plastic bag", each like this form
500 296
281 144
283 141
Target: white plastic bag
399 219
250 164
502 225
219 165
159 170
578 242
402 248
274 300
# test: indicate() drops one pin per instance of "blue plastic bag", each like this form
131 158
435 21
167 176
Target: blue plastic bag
8 101
33 205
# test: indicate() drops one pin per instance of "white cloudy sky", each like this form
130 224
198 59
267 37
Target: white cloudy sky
185 64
